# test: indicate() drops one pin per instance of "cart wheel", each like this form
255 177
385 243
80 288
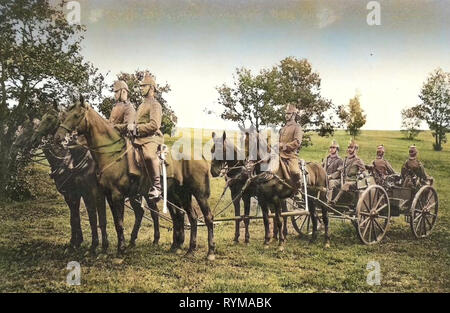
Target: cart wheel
302 223
373 213
424 211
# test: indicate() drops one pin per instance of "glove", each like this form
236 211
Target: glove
131 129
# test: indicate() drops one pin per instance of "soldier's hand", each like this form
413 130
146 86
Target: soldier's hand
131 128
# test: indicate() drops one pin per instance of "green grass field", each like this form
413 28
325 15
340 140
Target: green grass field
33 236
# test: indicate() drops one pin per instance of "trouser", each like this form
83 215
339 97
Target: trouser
349 185
332 185
294 171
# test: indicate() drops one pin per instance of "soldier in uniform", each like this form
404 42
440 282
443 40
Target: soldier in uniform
332 164
413 173
381 167
123 118
123 112
291 136
148 134
352 168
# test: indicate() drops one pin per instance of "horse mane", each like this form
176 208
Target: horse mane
97 120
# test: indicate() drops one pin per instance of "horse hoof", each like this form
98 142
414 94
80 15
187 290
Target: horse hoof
178 251
266 246
211 257
117 261
189 254
327 245
235 242
155 242
132 244
281 248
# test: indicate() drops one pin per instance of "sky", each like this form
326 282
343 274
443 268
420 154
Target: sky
196 46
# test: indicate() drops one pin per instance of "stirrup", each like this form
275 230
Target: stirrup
155 194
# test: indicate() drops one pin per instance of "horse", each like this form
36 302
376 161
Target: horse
109 149
73 184
272 191
234 164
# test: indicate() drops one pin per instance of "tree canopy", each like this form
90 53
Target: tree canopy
435 106
40 62
169 118
259 99
352 115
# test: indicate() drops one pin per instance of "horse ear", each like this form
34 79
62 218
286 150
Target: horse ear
55 105
224 135
82 101
213 135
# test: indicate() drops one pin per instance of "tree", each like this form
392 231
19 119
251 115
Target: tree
259 100
435 106
410 123
169 119
352 116
40 62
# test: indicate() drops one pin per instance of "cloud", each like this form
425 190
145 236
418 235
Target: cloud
326 17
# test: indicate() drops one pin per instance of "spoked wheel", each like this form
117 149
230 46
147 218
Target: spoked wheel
424 211
373 213
302 223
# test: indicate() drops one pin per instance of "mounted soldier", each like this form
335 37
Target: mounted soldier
413 173
122 117
332 164
290 141
123 112
381 167
351 169
148 136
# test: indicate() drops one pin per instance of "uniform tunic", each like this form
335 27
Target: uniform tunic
413 168
332 165
291 136
148 120
122 114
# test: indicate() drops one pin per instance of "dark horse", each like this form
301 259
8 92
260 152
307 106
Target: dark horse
272 190
226 157
109 149
74 181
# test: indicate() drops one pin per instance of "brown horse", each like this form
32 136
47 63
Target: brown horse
227 157
75 183
109 149
272 191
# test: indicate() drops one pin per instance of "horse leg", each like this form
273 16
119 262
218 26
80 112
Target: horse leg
89 201
284 209
279 222
138 214
246 199
116 203
192 215
73 201
206 210
155 217
177 220
265 213
326 221
314 217
237 212
101 211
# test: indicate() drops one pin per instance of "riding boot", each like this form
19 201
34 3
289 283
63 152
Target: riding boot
338 196
329 195
155 192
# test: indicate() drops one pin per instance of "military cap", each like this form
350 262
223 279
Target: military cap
120 84
352 143
334 144
291 108
148 80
